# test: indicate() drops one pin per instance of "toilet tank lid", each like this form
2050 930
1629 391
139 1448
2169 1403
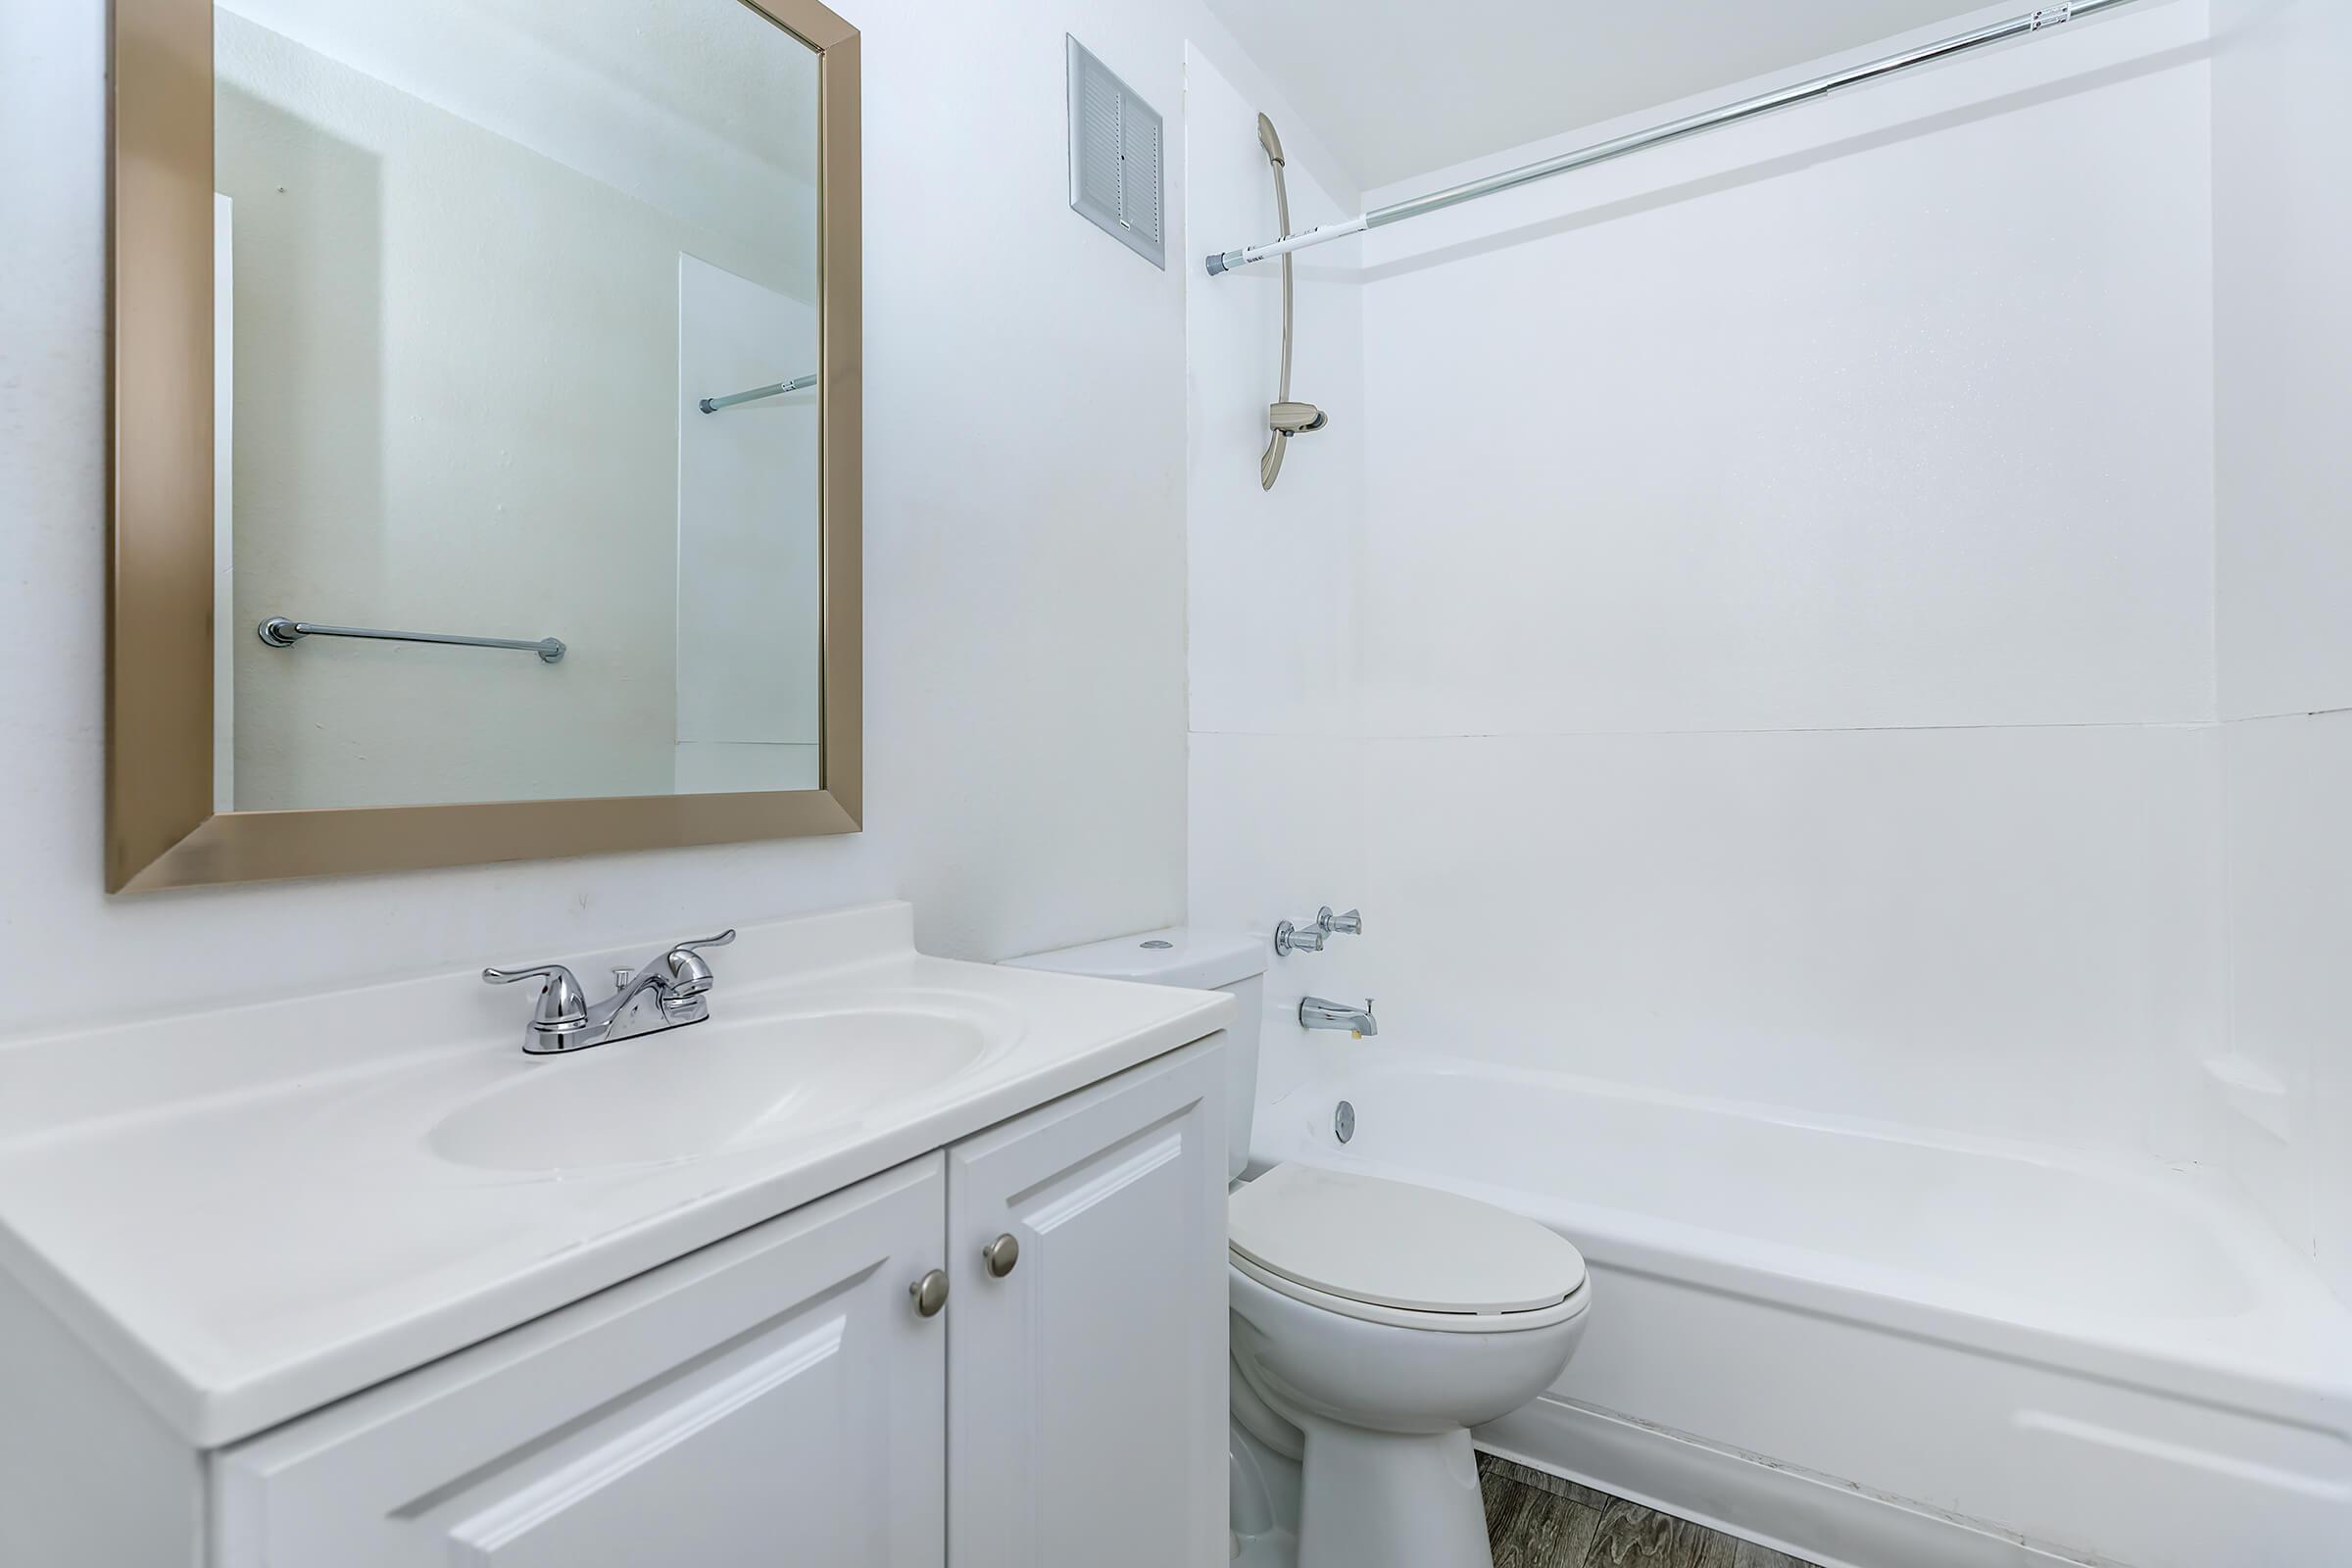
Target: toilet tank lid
1202 960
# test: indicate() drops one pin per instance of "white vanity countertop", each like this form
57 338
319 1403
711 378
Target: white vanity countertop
253 1211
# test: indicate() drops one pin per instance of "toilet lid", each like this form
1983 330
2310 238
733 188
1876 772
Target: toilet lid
1391 1243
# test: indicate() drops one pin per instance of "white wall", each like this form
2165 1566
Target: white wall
2282 249
1779 643
1024 561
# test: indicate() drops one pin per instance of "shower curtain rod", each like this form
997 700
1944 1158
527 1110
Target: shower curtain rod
1657 136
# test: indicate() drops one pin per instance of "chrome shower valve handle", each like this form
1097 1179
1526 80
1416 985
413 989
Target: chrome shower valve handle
1289 938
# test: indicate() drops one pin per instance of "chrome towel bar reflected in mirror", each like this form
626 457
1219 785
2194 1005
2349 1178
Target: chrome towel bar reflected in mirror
281 632
799 384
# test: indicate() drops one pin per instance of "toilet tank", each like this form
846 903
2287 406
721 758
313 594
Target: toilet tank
1234 961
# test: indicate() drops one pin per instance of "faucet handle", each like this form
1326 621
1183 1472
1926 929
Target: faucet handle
1350 924
690 975
562 1008
1290 939
719 940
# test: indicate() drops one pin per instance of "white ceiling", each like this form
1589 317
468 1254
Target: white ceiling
1397 89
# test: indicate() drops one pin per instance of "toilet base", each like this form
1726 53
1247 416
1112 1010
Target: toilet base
1358 1500
1384 1499
1266 1502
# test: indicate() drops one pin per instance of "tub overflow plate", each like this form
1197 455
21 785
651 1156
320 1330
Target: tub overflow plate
1343 1122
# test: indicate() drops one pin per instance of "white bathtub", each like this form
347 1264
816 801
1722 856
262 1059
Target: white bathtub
1883 1349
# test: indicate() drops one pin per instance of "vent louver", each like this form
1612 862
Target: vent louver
1115 157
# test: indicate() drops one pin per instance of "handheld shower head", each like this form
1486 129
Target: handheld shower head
1270 141
1295 418
1285 419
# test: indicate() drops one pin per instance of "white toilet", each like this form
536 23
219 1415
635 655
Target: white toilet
1374 1322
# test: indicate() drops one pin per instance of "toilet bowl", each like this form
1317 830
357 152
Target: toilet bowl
1374 1322
1380 1322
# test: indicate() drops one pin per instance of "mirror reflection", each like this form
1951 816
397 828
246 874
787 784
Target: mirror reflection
518 476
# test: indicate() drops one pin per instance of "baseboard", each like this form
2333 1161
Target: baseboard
1813 1517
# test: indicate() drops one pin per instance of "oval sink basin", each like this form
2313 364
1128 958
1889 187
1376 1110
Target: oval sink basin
709 1088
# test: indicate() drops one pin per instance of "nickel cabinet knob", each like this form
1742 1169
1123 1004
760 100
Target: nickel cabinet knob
930 1293
1001 1254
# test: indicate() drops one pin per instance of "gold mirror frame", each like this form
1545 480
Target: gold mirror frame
161 828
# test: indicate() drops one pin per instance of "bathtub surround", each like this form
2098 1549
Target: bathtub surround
2283 246
1739 632
1794 663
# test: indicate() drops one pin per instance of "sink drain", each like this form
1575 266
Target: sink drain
1343 1122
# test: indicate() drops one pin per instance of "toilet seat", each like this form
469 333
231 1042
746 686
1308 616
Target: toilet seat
1392 1253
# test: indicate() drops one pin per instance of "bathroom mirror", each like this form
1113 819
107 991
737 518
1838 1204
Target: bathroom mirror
486 432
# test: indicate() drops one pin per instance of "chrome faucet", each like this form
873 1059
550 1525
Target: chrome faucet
1316 1014
671 989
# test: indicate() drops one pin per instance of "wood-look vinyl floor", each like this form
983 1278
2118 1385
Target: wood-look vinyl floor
1540 1521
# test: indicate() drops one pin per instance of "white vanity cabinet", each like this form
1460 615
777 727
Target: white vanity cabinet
1087 1386
771 1398
780 1397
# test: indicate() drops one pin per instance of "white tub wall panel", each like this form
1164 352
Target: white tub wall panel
2278 1004
2329 1121
1755 433
1270 606
1896 411
2002 931
2283 244
1279 828
2283 239
2291 951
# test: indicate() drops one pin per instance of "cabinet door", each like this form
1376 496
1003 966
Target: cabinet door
773 1398
1087 1390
